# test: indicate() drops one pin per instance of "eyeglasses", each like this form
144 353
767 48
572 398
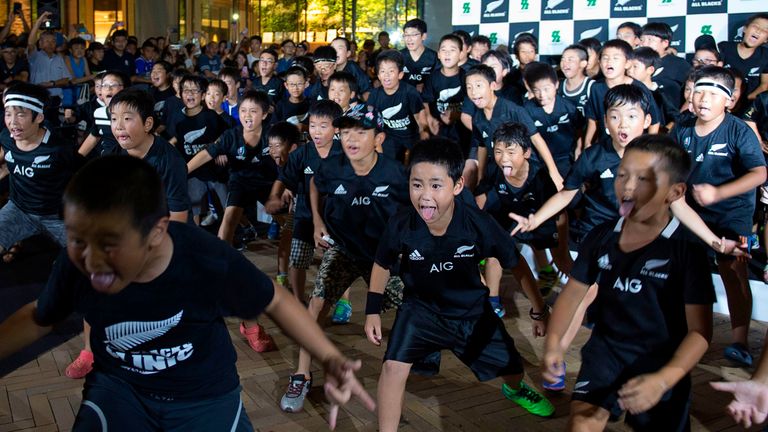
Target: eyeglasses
266 60
190 91
411 35
295 84
704 61
110 86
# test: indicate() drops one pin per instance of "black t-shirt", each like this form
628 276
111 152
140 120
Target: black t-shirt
357 208
293 113
398 111
595 109
124 63
362 79
641 298
417 71
230 121
442 272
316 92
468 64
102 128
668 97
560 128
596 169
21 65
167 337
173 171
724 155
758 113
580 96
301 166
503 111
752 68
38 177
250 167
673 68
502 198
274 88
444 93
509 93
194 134
173 113
160 96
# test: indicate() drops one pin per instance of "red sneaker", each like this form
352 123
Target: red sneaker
258 338
82 365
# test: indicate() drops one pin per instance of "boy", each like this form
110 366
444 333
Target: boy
444 91
728 165
173 111
343 89
481 44
325 66
295 177
100 137
267 81
657 36
465 61
614 62
439 242
400 106
653 312
750 56
630 33
163 353
493 111
576 85
39 165
231 78
361 190
144 64
666 93
215 97
418 59
294 108
363 82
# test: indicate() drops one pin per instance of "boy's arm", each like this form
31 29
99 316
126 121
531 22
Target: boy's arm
200 159
562 314
179 216
466 120
589 136
275 202
379 278
553 206
643 392
88 145
706 194
317 215
693 222
653 129
20 330
421 120
763 86
546 157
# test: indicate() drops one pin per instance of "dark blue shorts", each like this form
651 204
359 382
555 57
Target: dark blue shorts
304 230
419 334
603 373
245 197
111 404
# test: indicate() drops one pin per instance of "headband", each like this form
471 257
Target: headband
23 101
321 59
712 85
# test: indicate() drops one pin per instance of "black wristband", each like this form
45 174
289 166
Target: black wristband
538 316
374 303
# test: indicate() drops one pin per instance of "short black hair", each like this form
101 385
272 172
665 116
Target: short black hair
165 65
485 71
482 40
179 73
525 38
674 160
229 72
512 133
454 38
344 77
439 151
390 55
718 73
286 42
197 80
538 71
326 52
757 16
285 132
501 57
647 56
593 44
118 33
306 63
271 52
659 29
139 100
325 108
119 183
120 75
627 94
76 41
343 39
220 84
635 27
580 49
258 97
620 45
296 70
466 39
417 24
255 37
30 90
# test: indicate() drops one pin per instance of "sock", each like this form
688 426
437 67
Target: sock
494 300
546 269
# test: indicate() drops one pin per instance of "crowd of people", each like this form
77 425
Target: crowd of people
421 172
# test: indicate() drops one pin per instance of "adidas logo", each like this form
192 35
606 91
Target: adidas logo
606 174
604 262
538 123
416 256
340 190
9 157
485 135
308 171
700 157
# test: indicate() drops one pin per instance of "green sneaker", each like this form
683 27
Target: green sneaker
528 398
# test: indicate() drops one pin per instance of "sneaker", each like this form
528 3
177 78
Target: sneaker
209 220
248 235
293 399
547 280
528 398
258 338
82 365
343 312
738 353
282 280
555 386
273 233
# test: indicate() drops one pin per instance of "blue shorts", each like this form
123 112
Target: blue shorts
111 404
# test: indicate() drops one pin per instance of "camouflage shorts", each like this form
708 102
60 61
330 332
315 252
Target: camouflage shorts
338 271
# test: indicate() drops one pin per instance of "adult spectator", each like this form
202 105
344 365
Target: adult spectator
12 68
118 58
47 69
209 63
255 50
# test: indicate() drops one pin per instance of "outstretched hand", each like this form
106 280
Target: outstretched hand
750 401
731 247
524 224
341 384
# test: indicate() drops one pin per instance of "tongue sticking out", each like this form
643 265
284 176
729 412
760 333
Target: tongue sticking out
626 207
507 171
102 281
427 213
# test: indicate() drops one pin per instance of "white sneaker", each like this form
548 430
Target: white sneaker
209 220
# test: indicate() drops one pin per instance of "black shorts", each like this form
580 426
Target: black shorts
603 373
304 230
110 403
245 197
482 343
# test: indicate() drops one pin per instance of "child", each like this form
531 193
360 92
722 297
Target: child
481 44
215 100
163 354
501 65
465 61
325 66
666 93
614 62
39 165
418 60
525 48
728 165
362 81
267 81
653 312
343 89
144 63
78 69
295 107
161 91
438 242
444 92
173 111
593 47
657 36
295 177
630 33
400 105
750 56
756 117
100 137
493 111
576 85
231 78
361 190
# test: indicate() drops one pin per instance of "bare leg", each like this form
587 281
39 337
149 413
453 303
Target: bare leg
586 417
736 282
231 217
297 278
578 317
394 375
561 255
493 272
318 307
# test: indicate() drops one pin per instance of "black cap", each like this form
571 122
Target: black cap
325 53
705 41
361 115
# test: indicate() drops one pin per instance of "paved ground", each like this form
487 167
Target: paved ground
36 396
